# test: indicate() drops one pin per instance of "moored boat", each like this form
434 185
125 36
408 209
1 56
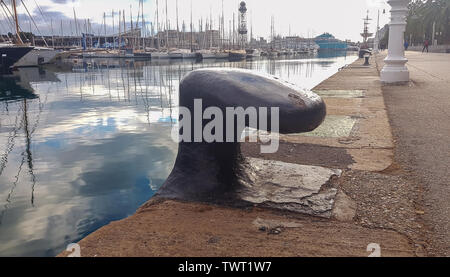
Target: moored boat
253 53
221 55
190 55
37 56
10 54
181 54
160 55
273 53
205 54
142 55
237 55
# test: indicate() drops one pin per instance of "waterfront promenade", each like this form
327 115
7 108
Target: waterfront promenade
391 143
420 117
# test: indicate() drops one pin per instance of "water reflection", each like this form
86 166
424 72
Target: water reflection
86 146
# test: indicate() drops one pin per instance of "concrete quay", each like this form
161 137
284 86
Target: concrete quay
377 200
419 114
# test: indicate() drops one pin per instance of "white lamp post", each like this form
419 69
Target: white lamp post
395 70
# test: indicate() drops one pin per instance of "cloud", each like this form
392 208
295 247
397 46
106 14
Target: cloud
61 1
376 3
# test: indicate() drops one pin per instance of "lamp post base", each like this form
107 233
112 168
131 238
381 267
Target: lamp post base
394 75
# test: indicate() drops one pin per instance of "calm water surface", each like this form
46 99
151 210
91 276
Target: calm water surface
82 147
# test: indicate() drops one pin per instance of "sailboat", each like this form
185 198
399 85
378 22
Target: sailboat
237 55
158 54
181 54
253 53
38 55
205 54
10 53
221 54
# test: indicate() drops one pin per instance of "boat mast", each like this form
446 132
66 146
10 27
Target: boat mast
234 31
178 29
167 27
104 25
251 27
62 34
157 25
124 26
131 28
144 29
17 22
53 35
76 23
89 31
229 35
113 36
223 28
192 50
120 30
210 29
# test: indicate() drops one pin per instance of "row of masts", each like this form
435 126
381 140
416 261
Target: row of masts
140 34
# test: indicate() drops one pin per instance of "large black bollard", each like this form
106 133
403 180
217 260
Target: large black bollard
209 171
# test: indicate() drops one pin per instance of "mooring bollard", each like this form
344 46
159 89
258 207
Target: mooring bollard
208 171
366 60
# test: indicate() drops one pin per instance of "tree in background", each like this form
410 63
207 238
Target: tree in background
423 14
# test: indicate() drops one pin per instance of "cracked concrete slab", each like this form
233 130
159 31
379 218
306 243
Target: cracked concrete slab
286 186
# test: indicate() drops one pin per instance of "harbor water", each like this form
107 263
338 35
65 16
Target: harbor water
84 145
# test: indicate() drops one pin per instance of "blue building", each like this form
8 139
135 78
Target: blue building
327 41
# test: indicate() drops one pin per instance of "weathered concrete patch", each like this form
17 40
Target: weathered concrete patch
334 126
340 93
307 154
293 187
344 207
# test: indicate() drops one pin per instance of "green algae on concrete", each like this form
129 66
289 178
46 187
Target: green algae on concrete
334 126
340 93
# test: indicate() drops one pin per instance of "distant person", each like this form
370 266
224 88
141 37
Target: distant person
406 45
426 43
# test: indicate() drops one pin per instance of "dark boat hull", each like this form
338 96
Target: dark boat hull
9 55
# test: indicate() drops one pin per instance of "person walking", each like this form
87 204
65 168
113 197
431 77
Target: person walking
426 43
406 45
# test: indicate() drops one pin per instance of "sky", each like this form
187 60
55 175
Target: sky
307 18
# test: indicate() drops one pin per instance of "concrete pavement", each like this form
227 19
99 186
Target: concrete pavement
419 114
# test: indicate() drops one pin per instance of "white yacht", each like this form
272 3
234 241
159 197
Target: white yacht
160 55
253 53
181 54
